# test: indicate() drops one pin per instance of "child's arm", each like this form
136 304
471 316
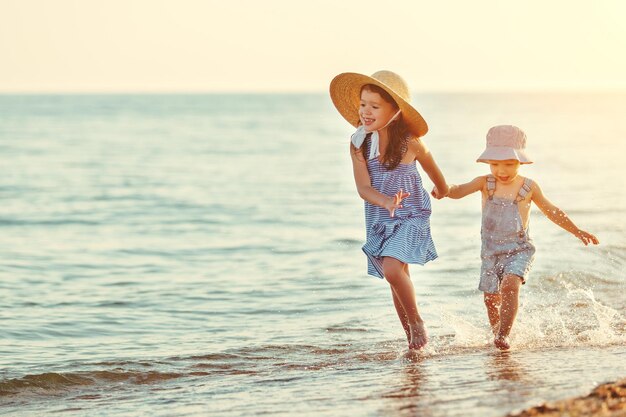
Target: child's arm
462 190
365 189
558 216
426 160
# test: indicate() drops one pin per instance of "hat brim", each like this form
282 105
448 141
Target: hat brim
502 153
345 92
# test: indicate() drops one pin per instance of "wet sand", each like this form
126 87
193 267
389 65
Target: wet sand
607 400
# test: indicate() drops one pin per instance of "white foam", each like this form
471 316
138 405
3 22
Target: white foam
562 312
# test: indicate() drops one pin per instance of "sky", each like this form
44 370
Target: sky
298 46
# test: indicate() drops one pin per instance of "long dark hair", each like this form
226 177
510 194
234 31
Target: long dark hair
397 131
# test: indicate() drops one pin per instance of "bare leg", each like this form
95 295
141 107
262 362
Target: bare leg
401 284
404 319
493 302
509 288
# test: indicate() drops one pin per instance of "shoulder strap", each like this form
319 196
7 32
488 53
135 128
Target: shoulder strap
491 186
524 190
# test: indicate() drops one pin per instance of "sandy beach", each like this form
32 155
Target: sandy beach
607 400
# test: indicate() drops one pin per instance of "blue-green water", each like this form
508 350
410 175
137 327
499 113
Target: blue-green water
200 254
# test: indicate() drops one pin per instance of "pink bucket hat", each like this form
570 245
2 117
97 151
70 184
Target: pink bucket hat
505 142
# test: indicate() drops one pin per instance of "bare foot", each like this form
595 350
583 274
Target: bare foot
419 338
502 342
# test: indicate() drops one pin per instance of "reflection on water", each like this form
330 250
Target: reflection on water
406 392
502 366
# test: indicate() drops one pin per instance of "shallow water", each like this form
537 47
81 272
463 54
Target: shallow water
178 255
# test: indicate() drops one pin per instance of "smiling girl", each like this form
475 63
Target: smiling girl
397 207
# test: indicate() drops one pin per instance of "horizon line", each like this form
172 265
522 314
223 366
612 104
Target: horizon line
304 92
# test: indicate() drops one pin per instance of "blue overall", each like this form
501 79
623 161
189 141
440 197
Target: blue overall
506 246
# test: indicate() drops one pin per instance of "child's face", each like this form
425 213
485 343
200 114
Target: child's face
374 111
505 171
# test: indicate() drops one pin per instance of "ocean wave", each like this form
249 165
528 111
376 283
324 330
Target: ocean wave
45 222
346 242
580 279
345 329
614 253
245 361
55 382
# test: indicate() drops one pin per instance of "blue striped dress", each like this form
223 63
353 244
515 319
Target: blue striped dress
406 236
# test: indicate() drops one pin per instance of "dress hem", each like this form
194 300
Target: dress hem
375 263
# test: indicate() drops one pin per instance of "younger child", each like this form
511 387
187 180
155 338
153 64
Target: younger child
507 251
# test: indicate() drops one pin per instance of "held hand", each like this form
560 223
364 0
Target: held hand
393 203
586 237
438 194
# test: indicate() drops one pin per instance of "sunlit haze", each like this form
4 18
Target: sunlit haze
292 46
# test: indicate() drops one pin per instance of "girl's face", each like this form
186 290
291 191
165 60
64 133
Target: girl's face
374 111
505 171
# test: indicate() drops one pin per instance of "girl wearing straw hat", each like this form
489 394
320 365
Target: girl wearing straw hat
507 251
384 149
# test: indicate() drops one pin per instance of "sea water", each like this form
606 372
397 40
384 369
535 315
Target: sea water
201 255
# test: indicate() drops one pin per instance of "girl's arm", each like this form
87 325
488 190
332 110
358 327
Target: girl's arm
558 216
426 160
462 190
364 185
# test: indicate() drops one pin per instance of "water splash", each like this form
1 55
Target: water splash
559 311
564 312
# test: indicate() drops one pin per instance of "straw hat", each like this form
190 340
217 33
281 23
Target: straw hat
505 142
345 90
